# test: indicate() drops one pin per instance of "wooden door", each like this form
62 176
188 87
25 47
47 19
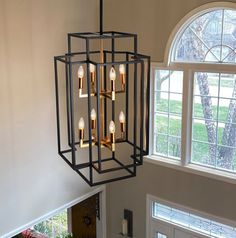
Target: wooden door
83 219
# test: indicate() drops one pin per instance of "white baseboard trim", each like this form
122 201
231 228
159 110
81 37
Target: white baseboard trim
52 213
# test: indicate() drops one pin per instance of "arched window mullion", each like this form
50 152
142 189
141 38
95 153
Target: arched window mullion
203 43
222 33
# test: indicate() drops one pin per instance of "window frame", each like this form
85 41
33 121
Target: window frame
187 98
184 164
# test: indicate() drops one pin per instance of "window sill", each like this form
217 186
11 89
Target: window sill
192 168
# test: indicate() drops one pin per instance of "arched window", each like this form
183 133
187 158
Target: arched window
211 37
194 96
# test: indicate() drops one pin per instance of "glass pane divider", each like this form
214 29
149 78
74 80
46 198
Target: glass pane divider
163 91
168 129
214 97
217 123
186 131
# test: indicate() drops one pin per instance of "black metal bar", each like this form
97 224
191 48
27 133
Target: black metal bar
69 43
112 180
104 171
97 35
101 17
82 166
148 105
142 111
121 62
71 109
124 33
60 58
85 179
67 106
66 160
63 58
98 117
82 53
57 107
89 111
131 143
105 99
135 158
126 167
128 52
135 101
113 101
66 151
127 98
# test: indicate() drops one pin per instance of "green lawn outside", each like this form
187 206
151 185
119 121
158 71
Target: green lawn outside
176 107
199 132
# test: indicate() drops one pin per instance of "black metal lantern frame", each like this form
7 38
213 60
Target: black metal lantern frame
97 168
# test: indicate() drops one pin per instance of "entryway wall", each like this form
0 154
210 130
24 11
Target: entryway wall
34 180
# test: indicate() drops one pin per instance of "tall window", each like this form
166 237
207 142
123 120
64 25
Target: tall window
194 115
168 111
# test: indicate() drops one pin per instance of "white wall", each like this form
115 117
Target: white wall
153 21
33 178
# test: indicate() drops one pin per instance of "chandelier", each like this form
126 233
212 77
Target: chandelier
102 105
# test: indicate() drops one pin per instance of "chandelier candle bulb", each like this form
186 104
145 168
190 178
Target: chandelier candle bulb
112 79
122 75
81 130
122 122
92 74
81 77
93 119
112 129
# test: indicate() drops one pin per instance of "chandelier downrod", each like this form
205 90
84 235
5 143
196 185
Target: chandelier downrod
101 17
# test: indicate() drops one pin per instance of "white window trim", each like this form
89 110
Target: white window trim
149 219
